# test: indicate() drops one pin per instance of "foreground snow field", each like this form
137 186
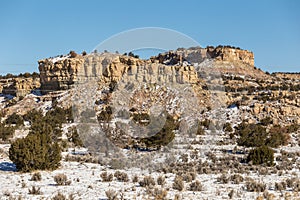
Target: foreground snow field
86 182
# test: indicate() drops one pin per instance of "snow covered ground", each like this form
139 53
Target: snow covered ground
86 182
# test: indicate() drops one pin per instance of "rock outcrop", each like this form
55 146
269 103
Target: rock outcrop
19 87
180 66
292 76
228 54
59 74
196 55
64 73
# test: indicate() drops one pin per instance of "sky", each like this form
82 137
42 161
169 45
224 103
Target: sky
32 30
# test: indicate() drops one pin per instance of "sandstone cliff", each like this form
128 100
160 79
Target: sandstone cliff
221 60
64 73
196 55
19 87
180 66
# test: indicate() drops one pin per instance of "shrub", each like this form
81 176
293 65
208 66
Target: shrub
160 194
111 194
6 131
230 194
121 176
261 155
59 196
36 176
205 123
74 137
277 137
292 128
236 179
34 190
147 181
223 179
36 151
178 183
253 186
266 121
227 127
105 115
14 119
188 177
161 180
33 116
73 54
135 179
291 181
133 55
195 186
177 197
200 130
251 135
106 177
61 179
164 136
296 186
280 186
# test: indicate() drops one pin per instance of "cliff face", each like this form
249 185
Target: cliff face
197 55
58 74
227 54
62 74
19 87
180 66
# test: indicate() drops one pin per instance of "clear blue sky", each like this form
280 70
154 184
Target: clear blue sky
32 30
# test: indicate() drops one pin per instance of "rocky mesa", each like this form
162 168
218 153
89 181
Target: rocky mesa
181 66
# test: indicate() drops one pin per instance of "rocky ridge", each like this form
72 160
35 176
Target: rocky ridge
19 86
180 66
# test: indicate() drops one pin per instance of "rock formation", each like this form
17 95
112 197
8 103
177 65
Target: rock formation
62 74
19 87
178 66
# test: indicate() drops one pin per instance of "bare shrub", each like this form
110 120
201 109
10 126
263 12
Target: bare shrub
147 181
188 177
296 186
237 179
36 176
230 194
121 176
263 171
161 180
253 186
61 179
223 179
280 186
160 194
59 196
177 197
196 186
178 183
290 182
34 190
111 194
135 179
106 177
